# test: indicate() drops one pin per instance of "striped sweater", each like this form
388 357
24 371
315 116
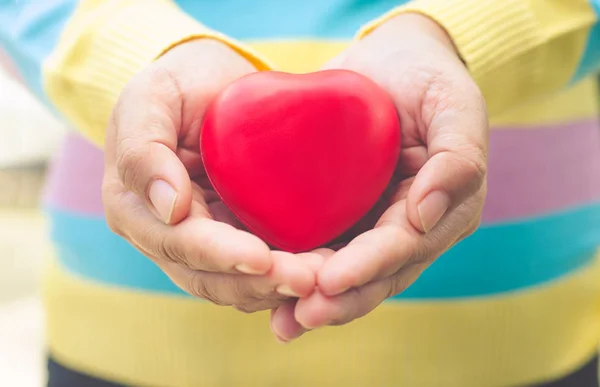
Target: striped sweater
516 304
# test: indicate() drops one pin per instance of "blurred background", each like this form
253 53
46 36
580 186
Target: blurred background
29 135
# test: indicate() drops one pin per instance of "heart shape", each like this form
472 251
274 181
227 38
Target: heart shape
300 158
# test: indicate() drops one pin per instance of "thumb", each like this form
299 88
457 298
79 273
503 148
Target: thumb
142 143
457 141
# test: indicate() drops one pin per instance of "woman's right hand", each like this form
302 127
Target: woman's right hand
157 196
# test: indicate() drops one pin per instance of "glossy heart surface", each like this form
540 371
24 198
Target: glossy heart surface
300 158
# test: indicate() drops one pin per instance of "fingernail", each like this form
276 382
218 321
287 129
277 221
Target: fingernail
163 198
432 209
285 290
244 268
280 340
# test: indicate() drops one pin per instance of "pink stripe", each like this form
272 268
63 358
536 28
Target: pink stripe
540 170
532 172
75 179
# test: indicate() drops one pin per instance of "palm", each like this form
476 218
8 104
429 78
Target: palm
188 151
413 156
437 191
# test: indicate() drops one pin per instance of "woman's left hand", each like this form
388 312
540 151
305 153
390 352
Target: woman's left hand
437 195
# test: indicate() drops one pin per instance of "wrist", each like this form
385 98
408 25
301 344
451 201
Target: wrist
217 46
201 47
206 54
406 24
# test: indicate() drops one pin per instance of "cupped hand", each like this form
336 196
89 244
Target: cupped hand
157 196
437 194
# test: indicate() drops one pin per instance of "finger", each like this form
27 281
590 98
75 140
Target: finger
319 310
316 258
289 277
393 244
283 324
222 213
373 255
198 242
457 143
367 222
142 145
293 274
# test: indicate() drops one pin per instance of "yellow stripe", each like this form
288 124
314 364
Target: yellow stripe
158 340
299 56
579 102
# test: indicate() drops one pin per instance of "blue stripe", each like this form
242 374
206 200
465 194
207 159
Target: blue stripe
590 62
511 256
86 246
29 31
285 19
497 258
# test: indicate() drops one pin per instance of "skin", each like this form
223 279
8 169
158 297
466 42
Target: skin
157 197
440 186
156 194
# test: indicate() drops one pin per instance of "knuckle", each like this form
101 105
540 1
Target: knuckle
421 252
245 307
341 315
337 322
163 83
271 295
241 290
168 252
207 237
472 228
397 284
157 244
472 161
111 215
166 249
338 319
129 164
478 163
200 289
157 75
473 90
252 297
474 224
113 223
436 98
255 290
201 247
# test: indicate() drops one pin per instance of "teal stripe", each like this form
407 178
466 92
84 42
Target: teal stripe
510 256
86 246
497 258
284 19
29 31
590 62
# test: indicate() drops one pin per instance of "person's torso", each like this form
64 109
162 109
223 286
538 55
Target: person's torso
520 284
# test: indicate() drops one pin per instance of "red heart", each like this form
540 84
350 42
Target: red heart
300 158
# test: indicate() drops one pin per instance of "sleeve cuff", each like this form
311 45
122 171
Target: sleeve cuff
507 42
486 33
102 49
